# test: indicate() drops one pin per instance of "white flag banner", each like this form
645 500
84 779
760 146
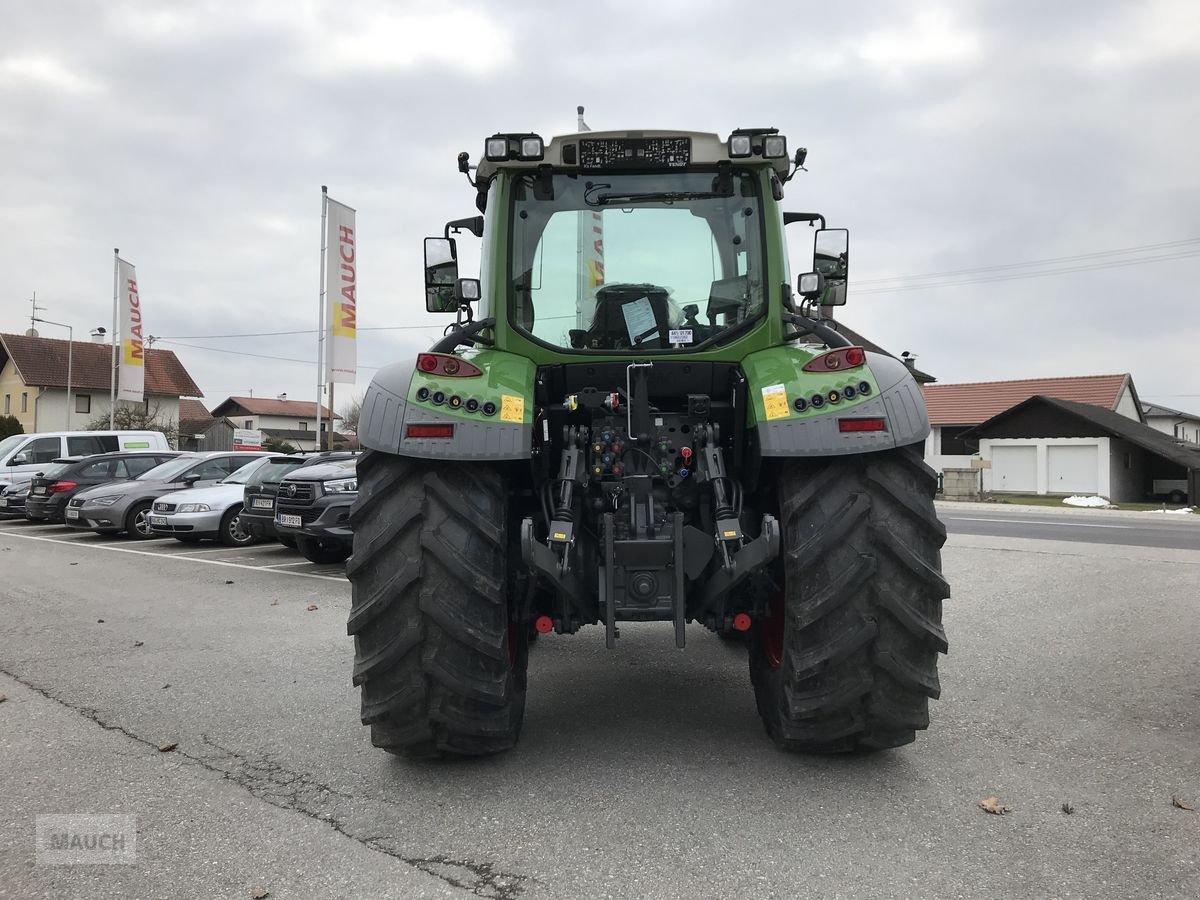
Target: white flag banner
131 373
590 244
341 295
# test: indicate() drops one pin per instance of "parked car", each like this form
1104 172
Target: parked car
258 504
207 512
313 507
32 452
53 487
124 506
12 500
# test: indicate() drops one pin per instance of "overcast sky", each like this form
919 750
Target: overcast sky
947 137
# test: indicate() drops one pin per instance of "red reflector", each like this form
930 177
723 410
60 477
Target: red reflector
429 431
544 624
834 360
447 364
61 486
852 425
741 622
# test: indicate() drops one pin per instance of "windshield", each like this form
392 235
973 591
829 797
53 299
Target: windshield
9 443
168 470
246 473
56 469
635 262
275 469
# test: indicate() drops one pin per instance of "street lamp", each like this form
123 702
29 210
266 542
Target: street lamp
70 359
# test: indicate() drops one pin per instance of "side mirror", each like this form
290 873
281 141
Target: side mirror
21 459
441 274
831 258
189 480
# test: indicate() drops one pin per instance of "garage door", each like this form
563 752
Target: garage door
1014 469
1073 469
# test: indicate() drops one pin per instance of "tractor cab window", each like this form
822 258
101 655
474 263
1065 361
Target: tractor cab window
631 263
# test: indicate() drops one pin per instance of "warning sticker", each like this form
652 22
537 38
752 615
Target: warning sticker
680 336
512 409
775 401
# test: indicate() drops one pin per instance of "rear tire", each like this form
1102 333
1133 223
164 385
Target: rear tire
439 657
847 658
317 551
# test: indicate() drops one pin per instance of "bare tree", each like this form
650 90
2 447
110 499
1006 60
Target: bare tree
350 413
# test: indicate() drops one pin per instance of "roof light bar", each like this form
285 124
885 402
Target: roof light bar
525 147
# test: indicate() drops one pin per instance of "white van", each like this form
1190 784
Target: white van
32 452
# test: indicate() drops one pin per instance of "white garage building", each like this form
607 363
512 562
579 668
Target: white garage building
1059 447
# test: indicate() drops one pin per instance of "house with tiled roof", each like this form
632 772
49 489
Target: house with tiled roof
954 409
201 430
293 421
1056 436
34 383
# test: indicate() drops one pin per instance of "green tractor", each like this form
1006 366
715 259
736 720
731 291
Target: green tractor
635 417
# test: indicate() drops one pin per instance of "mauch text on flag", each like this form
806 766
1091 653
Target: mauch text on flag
131 372
341 294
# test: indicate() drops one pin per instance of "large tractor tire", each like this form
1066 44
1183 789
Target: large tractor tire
439 656
846 659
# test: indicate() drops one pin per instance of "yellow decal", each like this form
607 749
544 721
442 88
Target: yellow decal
512 409
560 535
730 534
775 401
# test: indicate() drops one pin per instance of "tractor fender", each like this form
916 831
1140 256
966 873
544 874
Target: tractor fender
392 403
894 397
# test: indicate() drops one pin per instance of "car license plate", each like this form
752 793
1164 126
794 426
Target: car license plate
3 502
284 519
158 520
39 490
262 503
72 514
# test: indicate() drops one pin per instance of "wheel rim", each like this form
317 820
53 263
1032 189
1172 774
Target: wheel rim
141 523
238 534
771 631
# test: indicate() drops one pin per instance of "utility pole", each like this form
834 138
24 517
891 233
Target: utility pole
34 309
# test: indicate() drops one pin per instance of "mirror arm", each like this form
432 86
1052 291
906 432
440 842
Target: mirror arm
789 218
473 224
820 329
469 334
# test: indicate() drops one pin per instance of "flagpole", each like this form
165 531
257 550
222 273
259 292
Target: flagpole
329 430
321 313
112 374
580 238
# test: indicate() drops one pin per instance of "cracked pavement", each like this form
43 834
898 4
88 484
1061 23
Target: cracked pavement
1073 677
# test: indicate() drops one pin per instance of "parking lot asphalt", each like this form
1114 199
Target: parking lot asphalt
1073 679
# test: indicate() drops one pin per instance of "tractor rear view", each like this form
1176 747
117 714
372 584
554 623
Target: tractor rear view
638 416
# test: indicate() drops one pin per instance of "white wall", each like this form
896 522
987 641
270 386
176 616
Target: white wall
51 412
1128 407
1167 425
934 457
1042 445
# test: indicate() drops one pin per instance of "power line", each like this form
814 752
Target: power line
1098 254
1018 276
248 334
307 362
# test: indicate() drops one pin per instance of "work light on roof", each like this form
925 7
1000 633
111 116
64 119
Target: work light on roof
532 147
496 148
774 146
739 145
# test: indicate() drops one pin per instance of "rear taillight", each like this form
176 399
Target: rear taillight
446 364
429 431
850 426
837 360
61 487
